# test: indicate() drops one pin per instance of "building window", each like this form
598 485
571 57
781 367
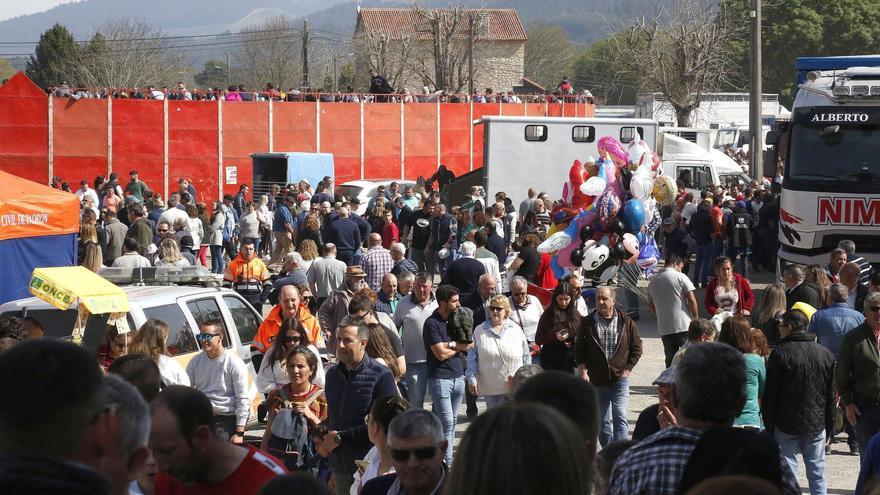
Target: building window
583 134
536 133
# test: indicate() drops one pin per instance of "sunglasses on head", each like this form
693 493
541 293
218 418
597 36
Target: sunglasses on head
422 454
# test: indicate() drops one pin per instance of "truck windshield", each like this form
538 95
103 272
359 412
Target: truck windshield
840 158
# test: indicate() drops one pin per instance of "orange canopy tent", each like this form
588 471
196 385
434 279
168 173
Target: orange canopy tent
38 228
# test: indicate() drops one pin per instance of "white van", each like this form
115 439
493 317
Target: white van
691 164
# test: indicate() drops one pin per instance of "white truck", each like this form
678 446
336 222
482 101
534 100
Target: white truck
536 152
697 167
831 157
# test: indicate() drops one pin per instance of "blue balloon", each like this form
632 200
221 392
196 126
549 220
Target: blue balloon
633 215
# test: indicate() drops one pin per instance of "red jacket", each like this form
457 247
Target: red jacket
744 290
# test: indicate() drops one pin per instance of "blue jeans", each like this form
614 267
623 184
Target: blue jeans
703 270
416 380
744 253
217 264
447 394
613 401
812 448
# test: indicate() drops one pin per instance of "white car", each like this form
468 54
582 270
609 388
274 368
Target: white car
182 308
365 190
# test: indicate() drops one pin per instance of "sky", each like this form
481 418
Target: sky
13 8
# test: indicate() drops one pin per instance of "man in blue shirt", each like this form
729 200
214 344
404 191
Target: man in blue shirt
833 322
446 363
283 228
347 236
830 325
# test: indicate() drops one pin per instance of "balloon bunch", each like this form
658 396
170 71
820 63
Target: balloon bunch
610 212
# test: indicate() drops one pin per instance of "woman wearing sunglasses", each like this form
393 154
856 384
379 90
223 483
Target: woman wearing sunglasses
377 462
272 372
500 348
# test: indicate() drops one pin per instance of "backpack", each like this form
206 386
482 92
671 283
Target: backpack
290 440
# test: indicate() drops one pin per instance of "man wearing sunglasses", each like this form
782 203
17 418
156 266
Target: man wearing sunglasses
417 445
857 377
352 386
223 377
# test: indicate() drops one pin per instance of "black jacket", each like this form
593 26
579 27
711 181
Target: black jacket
739 229
20 475
799 395
805 292
702 227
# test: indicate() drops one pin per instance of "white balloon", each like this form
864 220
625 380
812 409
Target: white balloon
640 186
555 242
594 186
594 256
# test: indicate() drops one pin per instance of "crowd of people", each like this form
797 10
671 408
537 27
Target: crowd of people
369 317
380 91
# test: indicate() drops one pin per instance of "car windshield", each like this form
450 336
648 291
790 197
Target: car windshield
838 156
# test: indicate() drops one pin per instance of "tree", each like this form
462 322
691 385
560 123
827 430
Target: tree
447 30
806 27
54 59
126 53
6 69
596 69
389 57
682 53
213 76
548 53
271 52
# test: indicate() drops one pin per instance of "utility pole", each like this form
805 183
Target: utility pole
471 35
335 79
227 69
305 54
755 100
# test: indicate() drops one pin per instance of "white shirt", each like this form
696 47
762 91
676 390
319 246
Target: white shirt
172 372
225 381
326 275
88 193
171 215
410 318
527 318
131 260
668 291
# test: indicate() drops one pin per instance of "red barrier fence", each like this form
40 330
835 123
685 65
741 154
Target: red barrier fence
167 139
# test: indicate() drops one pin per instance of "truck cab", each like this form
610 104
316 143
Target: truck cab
831 162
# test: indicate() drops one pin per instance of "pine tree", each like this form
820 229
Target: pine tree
54 59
